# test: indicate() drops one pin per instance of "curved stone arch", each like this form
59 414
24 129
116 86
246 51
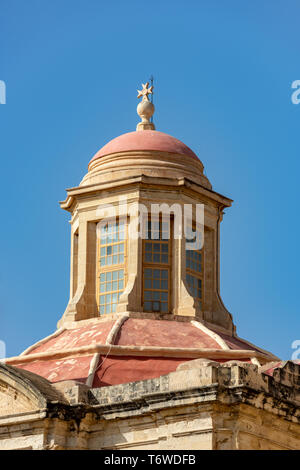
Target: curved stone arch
22 391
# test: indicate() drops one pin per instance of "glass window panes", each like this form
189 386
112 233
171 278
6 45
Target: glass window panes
156 252
194 260
111 250
195 286
156 291
111 287
159 230
112 236
157 247
194 273
156 262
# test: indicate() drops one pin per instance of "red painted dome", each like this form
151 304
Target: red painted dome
145 140
123 349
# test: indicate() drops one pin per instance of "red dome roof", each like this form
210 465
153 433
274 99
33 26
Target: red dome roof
145 140
139 349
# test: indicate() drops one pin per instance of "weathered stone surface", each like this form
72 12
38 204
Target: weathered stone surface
212 406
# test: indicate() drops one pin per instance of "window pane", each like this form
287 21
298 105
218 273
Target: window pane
195 286
148 273
115 285
115 275
156 289
193 260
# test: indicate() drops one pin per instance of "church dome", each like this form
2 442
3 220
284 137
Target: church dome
145 140
145 152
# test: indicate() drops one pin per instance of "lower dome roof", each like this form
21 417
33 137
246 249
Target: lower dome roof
114 351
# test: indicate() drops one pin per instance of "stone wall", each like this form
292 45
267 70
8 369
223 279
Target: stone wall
203 405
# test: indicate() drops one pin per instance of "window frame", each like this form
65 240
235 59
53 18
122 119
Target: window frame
112 267
196 274
158 265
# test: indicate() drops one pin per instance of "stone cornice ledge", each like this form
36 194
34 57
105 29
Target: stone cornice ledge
231 383
142 180
148 351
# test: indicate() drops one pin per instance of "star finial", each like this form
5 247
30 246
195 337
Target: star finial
145 108
145 91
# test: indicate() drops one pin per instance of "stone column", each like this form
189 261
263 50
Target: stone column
74 261
83 303
131 299
185 304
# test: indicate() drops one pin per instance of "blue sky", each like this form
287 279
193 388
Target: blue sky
223 73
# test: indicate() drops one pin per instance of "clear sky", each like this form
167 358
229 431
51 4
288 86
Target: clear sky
223 73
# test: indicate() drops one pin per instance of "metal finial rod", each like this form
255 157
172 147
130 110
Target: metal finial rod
151 96
151 79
